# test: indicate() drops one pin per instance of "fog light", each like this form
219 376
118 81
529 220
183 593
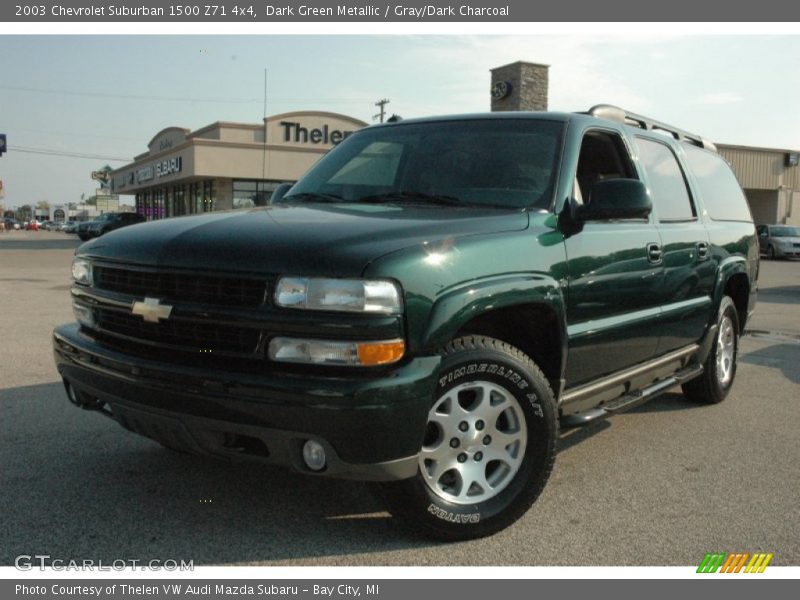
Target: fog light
72 395
314 455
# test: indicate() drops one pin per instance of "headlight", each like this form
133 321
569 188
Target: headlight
82 271
324 352
348 295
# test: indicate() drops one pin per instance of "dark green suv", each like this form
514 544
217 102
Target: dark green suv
426 307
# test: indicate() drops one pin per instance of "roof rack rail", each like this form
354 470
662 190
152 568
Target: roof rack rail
620 115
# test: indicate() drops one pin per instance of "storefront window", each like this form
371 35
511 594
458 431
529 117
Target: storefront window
244 194
169 201
180 200
158 204
209 195
247 194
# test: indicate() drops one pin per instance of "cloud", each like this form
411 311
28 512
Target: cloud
719 98
585 70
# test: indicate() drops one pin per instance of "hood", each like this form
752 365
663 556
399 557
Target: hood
310 239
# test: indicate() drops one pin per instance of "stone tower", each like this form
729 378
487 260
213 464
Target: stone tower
520 86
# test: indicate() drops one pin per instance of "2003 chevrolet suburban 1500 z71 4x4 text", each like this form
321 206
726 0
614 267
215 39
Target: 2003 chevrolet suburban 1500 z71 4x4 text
426 306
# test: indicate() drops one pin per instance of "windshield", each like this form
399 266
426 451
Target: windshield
785 232
503 163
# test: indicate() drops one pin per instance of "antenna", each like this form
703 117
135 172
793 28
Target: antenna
264 115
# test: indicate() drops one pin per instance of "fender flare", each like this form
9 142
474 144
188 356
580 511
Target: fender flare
454 309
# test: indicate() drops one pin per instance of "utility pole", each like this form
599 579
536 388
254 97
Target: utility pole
382 104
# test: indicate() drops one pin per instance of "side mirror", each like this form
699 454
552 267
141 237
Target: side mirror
615 199
279 193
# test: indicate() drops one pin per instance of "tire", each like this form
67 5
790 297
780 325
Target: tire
720 367
770 253
491 400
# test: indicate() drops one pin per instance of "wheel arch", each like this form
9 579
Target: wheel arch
526 312
737 286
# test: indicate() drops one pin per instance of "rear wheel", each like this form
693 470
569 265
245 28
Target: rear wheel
720 366
770 253
488 447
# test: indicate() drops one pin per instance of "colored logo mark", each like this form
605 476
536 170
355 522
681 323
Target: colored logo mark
734 562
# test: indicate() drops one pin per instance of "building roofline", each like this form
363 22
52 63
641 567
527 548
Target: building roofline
165 130
757 148
317 113
519 62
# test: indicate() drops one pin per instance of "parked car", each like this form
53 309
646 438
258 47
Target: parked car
32 225
12 224
107 222
779 241
426 307
71 227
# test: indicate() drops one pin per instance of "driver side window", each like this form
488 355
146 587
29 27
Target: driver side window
603 156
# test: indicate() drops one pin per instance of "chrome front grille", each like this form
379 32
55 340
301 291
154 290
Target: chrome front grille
186 335
207 314
181 287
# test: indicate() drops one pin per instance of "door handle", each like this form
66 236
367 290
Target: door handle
654 252
702 250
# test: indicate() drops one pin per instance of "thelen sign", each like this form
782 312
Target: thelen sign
293 132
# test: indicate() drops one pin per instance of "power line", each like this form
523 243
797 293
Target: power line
53 152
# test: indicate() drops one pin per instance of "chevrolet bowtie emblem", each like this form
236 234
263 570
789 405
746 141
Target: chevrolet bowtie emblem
151 311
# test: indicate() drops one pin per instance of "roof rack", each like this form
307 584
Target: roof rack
620 115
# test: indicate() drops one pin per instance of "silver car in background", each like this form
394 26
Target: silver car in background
779 241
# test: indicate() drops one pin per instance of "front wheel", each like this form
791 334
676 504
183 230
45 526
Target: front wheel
770 253
488 446
719 370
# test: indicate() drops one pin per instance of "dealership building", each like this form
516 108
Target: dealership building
227 165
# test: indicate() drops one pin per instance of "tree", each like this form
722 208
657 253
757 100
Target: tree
43 205
24 212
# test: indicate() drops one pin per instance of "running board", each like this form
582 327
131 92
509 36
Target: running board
633 400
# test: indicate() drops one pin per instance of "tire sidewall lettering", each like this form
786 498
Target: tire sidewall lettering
505 372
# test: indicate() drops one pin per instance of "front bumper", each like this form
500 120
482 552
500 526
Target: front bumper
371 427
786 251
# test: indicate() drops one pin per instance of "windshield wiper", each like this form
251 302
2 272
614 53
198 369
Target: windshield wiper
412 197
312 197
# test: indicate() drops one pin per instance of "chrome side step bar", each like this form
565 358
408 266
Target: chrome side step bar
632 400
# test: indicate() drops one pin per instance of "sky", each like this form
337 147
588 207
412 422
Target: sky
107 96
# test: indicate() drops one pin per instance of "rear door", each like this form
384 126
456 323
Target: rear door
688 281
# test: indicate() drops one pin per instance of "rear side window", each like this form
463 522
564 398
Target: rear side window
667 184
721 194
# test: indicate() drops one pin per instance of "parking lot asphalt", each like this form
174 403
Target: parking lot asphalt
660 485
